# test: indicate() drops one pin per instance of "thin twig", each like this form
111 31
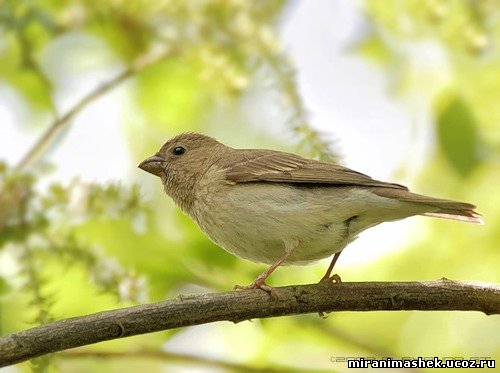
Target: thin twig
373 349
173 357
236 306
49 135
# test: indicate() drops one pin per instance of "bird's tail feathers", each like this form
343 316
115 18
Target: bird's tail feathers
437 207
469 216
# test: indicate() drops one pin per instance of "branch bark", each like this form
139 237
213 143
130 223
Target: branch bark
236 306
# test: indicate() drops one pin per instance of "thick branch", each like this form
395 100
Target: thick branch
236 306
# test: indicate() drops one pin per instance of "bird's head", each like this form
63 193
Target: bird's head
182 161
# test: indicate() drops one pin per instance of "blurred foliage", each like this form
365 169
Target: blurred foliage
445 53
37 226
467 33
463 26
457 136
71 248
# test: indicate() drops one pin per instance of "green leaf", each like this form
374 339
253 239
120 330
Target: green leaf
28 79
457 135
375 50
171 95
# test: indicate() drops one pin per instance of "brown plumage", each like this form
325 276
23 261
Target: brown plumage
274 166
277 207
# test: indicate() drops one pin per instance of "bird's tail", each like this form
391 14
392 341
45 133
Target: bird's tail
463 214
437 207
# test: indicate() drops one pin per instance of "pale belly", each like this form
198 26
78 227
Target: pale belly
253 221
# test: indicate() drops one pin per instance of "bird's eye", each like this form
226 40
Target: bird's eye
179 150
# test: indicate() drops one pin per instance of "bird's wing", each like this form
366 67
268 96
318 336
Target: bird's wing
274 166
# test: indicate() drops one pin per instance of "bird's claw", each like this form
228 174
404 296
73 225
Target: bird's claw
333 278
328 280
258 285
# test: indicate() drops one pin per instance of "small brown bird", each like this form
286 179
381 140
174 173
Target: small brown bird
279 208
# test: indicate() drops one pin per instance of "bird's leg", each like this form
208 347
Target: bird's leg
328 277
260 282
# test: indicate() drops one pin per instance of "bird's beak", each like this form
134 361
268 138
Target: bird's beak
153 165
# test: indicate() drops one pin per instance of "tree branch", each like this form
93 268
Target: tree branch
179 358
50 133
236 306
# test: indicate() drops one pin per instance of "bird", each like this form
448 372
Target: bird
279 208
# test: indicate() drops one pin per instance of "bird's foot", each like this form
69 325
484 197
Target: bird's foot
329 279
258 284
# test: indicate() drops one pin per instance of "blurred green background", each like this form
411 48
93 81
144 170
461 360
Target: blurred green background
407 91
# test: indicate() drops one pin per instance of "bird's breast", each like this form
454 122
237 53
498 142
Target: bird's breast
252 220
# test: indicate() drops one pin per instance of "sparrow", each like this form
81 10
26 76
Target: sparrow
279 208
